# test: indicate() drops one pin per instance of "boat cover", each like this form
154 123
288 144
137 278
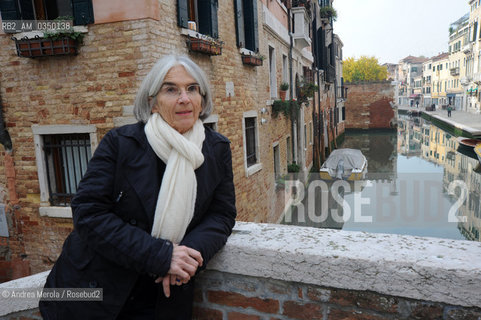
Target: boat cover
353 159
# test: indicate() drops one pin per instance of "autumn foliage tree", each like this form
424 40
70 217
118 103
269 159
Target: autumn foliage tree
363 69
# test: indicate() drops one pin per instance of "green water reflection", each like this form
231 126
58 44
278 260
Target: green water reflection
419 182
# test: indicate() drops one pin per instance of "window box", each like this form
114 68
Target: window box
252 60
43 47
207 46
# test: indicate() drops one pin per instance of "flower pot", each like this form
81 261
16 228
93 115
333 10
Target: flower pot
204 46
282 94
41 47
251 60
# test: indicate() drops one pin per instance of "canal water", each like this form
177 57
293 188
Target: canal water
419 182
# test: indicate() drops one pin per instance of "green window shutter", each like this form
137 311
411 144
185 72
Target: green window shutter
182 13
239 23
83 12
9 10
251 29
208 17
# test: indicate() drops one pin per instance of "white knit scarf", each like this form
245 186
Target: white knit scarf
182 154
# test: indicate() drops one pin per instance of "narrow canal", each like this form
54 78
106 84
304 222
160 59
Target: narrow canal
419 182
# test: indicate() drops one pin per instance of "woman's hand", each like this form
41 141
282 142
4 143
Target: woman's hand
183 265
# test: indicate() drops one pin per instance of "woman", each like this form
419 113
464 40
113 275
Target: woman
156 203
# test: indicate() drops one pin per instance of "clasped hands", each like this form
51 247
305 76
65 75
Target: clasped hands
183 266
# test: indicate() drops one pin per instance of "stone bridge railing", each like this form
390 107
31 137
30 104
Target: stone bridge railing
287 272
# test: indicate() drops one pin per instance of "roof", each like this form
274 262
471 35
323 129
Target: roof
413 59
440 56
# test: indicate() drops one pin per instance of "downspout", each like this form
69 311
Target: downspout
293 119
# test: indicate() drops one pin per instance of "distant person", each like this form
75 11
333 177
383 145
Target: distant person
412 103
449 108
417 104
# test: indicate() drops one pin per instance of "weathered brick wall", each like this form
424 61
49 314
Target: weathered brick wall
228 296
368 107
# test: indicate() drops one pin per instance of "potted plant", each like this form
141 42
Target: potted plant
283 90
253 60
328 12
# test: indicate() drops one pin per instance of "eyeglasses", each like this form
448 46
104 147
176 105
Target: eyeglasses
172 91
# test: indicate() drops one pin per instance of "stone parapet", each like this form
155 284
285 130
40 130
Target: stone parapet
285 272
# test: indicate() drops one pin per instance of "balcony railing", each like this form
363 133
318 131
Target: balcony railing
330 74
477 78
468 48
455 71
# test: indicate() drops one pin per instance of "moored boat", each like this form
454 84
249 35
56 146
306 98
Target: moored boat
467 142
477 150
346 164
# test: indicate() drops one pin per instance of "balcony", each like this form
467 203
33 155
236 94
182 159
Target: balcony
455 71
468 48
330 74
301 28
477 78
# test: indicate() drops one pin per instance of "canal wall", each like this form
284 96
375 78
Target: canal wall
368 105
287 272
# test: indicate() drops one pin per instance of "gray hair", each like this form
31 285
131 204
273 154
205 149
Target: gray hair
155 78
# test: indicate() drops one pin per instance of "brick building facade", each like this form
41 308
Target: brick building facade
87 94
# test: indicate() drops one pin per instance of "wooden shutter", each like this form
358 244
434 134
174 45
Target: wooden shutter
26 10
239 23
252 37
83 12
208 17
9 10
182 13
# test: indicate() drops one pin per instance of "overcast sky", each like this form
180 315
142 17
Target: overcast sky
391 29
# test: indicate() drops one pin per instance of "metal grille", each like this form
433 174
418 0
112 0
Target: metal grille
66 158
250 125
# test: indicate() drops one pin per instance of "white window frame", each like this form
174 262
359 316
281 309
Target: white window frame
213 118
272 72
38 131
258 166
279 171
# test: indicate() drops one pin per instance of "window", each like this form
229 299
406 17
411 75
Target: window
66 158
310 133
251 143
62 152
277 161
288 150
272 72
211 121
81 10
201 13
246 24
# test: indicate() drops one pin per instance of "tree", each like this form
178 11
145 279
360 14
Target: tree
364 69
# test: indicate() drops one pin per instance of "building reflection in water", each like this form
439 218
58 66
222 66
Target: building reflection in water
417 142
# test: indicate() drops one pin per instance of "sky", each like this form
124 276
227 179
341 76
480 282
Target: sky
391 30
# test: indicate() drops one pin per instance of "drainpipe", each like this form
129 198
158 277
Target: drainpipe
293 119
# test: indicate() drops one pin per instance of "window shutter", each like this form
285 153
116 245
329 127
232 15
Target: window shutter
475 30
255 27
239 23
26 10
208 17
9 10
83 12
182 14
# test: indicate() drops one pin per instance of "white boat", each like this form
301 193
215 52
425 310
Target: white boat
346 164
